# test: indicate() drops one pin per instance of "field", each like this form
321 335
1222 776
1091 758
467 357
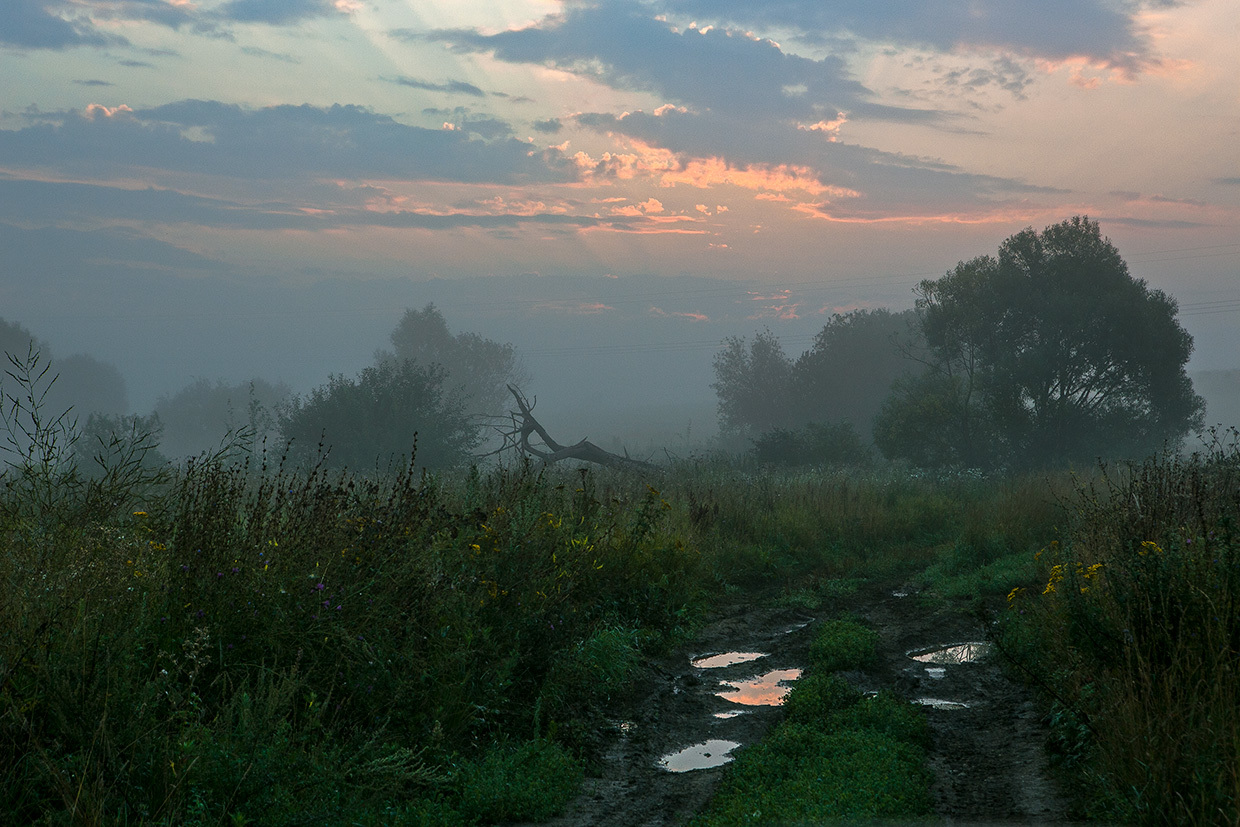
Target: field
240 641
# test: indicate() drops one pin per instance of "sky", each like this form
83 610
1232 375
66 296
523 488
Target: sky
231 188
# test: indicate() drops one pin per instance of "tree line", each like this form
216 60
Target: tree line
1049 353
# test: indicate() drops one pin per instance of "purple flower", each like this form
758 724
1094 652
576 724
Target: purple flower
236 570
318 586
184 567
219 574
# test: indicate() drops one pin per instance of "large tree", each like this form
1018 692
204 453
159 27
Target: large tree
476 370
842 379
753 383
1052 352
374 420
852 365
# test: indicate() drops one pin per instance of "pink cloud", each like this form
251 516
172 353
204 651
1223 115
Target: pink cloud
691 316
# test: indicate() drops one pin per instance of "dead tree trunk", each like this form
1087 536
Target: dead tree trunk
523 427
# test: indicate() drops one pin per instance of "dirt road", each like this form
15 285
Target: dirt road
986 752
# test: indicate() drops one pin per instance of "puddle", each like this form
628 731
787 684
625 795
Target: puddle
939 703
726 659
899 594
730 714
955 653
763 690
713 753
796 627
936 672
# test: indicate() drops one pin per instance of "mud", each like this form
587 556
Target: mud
986 752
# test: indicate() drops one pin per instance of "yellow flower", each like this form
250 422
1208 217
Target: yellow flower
1149 545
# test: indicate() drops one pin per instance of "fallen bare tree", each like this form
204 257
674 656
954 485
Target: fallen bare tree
521 429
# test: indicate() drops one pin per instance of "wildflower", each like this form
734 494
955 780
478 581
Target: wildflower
318 587
1012 594
1149 545
1056 576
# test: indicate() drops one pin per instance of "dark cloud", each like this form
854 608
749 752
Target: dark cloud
705 70
32 24
1055 29
458 87
154 11
275 12
1230 182
550 126
294 142
58 203
1153 223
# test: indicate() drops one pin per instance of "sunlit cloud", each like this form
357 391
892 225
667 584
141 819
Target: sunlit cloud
690 316
573 308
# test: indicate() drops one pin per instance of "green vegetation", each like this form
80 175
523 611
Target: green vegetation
241 640
837 755
1135 632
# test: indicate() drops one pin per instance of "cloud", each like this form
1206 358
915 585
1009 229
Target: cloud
24 201
689 315
458 87
549 127
1102 31
1228 182
720 71
32 24
295 142
276 12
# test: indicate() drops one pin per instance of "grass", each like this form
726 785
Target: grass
238 641
1134 629
837 755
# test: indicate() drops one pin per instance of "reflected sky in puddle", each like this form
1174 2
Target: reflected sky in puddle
939 703
955 653
763 690
730 714
726 659
713 753
936 672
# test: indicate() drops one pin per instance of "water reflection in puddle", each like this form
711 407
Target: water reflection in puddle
713 753
936 672
726 659
956 653
939 703
763 690
730 714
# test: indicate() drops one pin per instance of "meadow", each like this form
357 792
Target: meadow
239 640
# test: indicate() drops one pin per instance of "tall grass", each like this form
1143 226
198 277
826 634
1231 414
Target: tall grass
1136 632
237 640
253 642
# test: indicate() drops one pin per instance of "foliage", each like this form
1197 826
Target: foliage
376 419
84 384
815 444
531 781
203 414
843 378
850 368
477 371
1050 354
1135 631
753 382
